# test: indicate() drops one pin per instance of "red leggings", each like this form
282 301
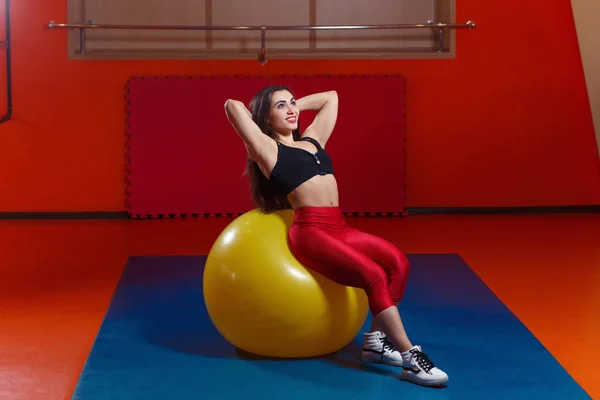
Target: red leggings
322 241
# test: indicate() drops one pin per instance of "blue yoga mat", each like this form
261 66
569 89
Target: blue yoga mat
157 342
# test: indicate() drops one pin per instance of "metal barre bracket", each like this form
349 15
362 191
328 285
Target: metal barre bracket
262 56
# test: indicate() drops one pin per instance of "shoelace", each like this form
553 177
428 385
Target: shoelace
387 345
422 360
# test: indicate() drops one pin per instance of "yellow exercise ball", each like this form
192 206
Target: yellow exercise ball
264 301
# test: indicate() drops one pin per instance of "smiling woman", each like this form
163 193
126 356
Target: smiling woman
280 176
288 173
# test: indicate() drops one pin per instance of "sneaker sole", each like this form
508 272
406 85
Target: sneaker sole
377 360
417 381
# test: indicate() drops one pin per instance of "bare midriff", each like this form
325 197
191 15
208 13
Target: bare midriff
319 191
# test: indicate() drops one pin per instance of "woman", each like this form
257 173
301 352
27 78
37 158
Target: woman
289 170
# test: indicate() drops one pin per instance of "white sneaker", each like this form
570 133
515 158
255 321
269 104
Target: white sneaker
377 349
419 369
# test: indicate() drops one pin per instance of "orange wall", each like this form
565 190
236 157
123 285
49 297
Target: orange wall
507 123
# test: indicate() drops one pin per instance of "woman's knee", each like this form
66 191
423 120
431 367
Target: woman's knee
398 271
396 262
402 264
380 250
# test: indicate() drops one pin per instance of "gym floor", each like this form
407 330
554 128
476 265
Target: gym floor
60 279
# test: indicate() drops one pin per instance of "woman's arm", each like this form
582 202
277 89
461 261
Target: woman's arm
326 103
240 118
315 102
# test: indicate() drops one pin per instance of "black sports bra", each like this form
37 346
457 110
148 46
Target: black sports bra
295 166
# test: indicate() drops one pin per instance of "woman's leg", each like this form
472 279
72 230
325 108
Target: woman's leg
397 267
340 261
386 254
417 366
325 253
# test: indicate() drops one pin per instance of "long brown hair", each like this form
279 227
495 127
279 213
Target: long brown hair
264 194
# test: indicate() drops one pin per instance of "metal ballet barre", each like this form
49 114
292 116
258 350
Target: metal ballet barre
262 57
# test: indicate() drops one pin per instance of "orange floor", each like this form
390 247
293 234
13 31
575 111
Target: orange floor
58 278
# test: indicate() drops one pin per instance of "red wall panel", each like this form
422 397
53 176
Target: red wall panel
184 158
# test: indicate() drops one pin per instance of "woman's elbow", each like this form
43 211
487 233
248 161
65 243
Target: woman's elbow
230 106
333 95
229 103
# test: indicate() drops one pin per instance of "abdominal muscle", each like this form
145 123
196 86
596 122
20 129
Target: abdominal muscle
319 191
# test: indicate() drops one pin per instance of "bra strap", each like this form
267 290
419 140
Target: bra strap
312 140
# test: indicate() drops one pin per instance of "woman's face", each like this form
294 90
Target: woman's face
283 114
